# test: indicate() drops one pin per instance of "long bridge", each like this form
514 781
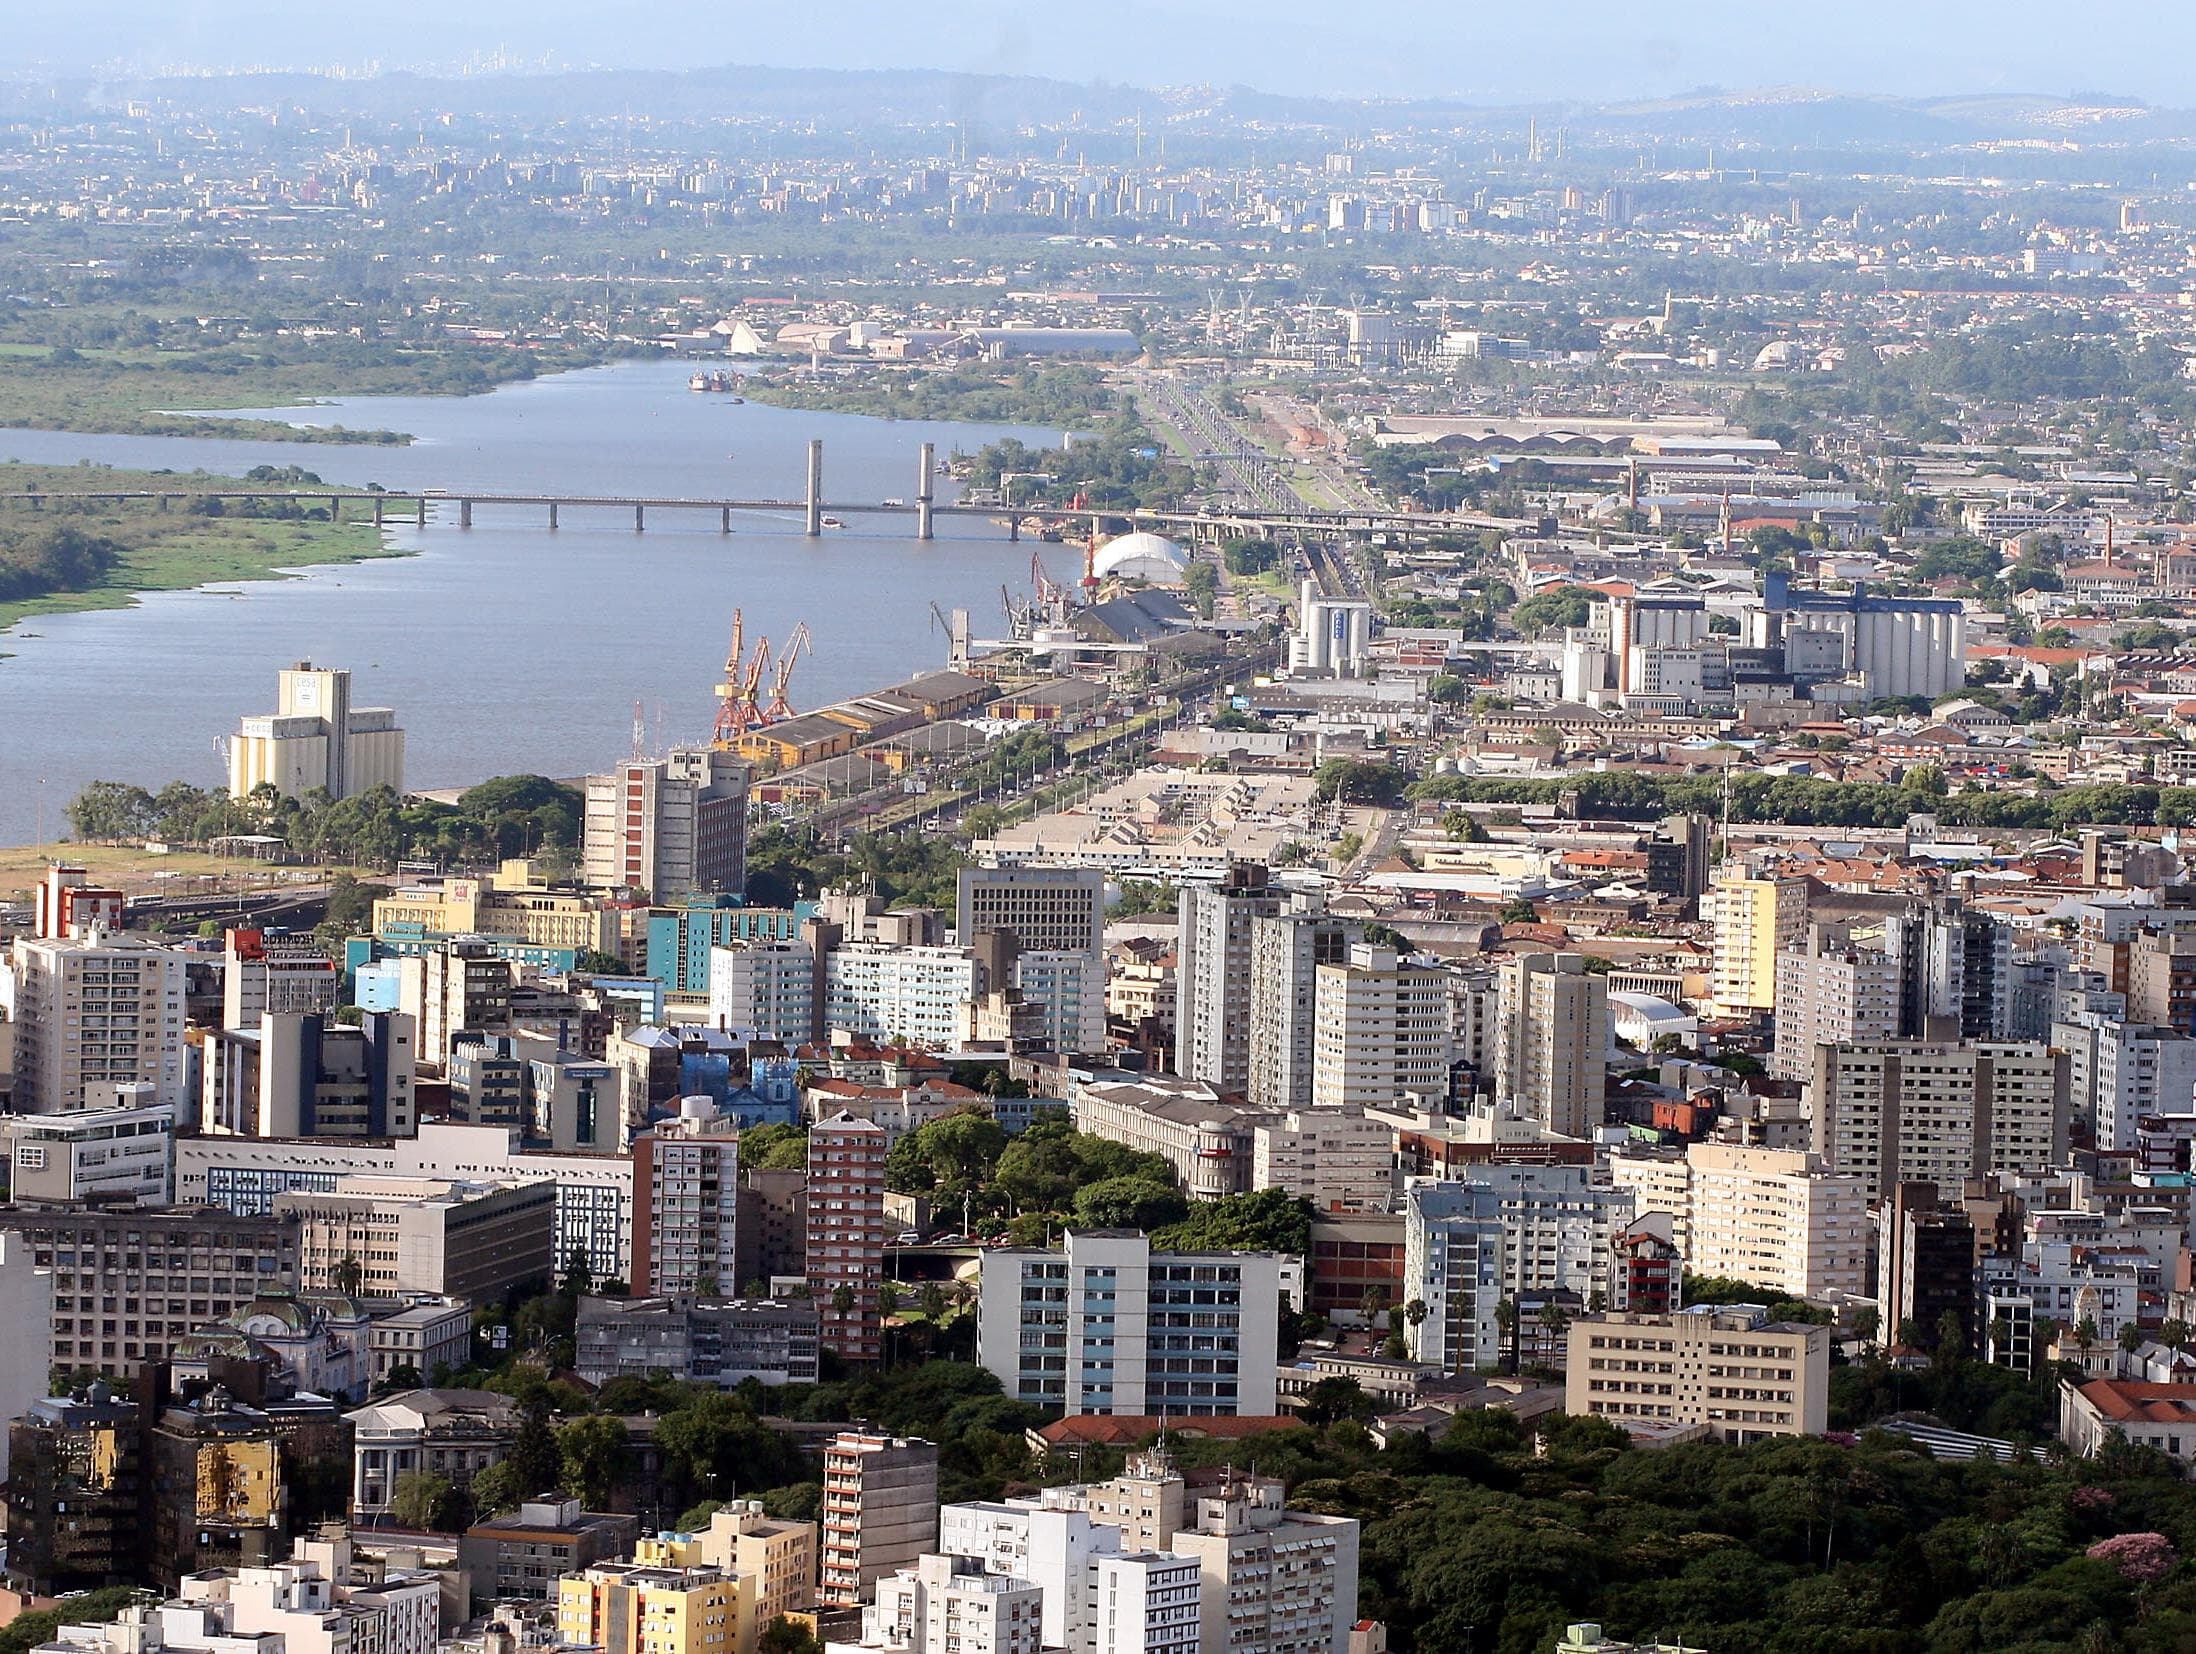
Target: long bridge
382 506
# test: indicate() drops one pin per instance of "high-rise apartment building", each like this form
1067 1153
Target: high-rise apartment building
1107 1325
91 1014
1772 1217
315 739
686 1194
1049 909
914 995
1507 1231
846 1232
1753 921
1832 988
303 1074
1098 1595
1382 1026
1551 1045
1213 975
1339 1159
1287 949
1067 987
880 1511
459 986
1898 1111
950 1605
668 825
764 988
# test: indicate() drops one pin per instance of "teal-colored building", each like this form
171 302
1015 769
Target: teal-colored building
679 938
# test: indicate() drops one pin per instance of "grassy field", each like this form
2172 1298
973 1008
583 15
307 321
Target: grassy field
135 392
173 550
130 868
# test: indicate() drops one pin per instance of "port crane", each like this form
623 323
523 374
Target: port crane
796 645
728 730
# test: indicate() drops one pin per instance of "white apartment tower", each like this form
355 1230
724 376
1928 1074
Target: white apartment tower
316 739
1771 1217
1107 1325
767 989
1383 1026
1287 950
93 1014
1213 976
1551 1047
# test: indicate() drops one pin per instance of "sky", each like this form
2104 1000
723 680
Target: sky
1594 50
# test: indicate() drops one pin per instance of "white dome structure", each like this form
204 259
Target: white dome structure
1139 556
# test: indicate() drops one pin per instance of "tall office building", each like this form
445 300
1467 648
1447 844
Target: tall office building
686 1195
1382 1026
262 973
1049 909
1898 1111
1287 950
846 1233
1551 1047
315 739
1753 920
1107 1325
299 1074
880 1511
460 986
668 825
93 1014
1213 975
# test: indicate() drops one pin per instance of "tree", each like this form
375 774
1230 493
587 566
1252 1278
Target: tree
2131 1337
1358 781
1331 1399
535 1458
578 1278
784 1636
424 1501
1265 1220
592 1449
782 1148
349 1275
499 1487
1143 1203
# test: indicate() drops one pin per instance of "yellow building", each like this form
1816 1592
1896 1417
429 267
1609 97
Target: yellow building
239 1482
775 1560
505 903
1753 921
632 1608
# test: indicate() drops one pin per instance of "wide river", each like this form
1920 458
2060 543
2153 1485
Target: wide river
506 647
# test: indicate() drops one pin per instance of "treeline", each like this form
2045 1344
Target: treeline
905 869
1059 394
1119 469
1804 801
513 815
55 558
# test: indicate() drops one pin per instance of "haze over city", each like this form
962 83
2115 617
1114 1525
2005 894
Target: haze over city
1567 51
1162 829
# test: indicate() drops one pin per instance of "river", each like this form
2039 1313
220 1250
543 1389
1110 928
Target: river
506 647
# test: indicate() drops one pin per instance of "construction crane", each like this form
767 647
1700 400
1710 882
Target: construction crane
796 645
728 692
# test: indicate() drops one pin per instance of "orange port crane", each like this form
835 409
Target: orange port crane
728 728
796 645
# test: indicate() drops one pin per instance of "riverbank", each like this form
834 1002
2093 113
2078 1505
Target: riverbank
139 392
156 551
